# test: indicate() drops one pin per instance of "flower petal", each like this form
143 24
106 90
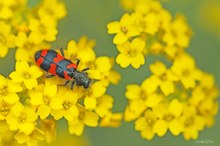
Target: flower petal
160 128
167 87
133 91
91 119
30 83
90 103
113 27
176 107
11 98
123 60
150 84
137 60
43 111
35 71
21 66
137 44
76 128
16 77
158 68
147 134
175 127
120 38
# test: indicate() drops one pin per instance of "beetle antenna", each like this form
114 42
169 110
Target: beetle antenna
85 69
61 51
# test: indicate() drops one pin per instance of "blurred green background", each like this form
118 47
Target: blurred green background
89 17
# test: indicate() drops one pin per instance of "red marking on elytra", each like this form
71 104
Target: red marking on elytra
44 52
58 58
40 60
52 69
66 76
72 65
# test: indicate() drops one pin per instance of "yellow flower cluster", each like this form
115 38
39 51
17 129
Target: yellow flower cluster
63 139
178 97
181 99
28 98
28 28
148 29
30 104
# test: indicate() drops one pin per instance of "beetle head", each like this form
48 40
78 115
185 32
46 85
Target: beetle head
81 79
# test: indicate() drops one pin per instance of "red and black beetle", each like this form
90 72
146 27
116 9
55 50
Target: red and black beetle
56 64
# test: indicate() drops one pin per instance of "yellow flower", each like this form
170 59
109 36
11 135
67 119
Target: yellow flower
6 38
139 101
128 4
4 110
8 91
49 128
111 120
67 100
7 137
54 9
148 23
30 139
103 71
185 68
27 46
22 118
14 138
206 99
145 124
44 98
82 51
193 123
153 81
5 9
85 117
198 95
123 29
43 29
103 105
173 51
84 42
168 118
209 109
95 91
207 81
178 33
26 74
131 53
163 78
66 139
137 106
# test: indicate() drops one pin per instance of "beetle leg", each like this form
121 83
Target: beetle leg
49 75
77 62
61 51
85 69
72 85
65 84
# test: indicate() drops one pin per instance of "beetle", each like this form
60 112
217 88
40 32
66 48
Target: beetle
57 65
